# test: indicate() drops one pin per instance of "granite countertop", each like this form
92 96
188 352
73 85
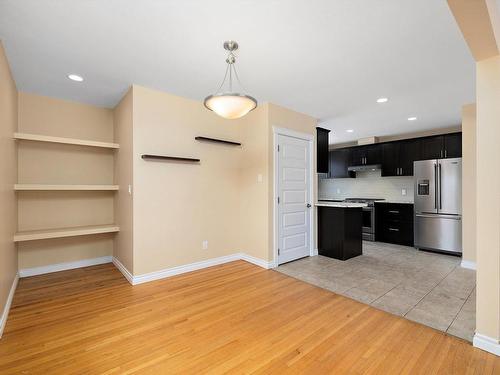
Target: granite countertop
340 204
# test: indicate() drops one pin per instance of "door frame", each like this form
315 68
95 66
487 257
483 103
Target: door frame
306 137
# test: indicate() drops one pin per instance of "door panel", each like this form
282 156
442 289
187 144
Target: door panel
339 161
322 150
453 145
432 147
409 151
294 224
438 232
450 176
425 186
390 156
373 154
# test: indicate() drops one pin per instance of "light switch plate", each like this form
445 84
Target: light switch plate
204 245
259 178
338 191
403 191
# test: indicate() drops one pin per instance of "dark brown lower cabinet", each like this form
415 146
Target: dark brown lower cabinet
340 232
394 223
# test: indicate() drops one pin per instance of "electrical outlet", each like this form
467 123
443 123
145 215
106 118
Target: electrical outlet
204 245
338 191
259 178
403 191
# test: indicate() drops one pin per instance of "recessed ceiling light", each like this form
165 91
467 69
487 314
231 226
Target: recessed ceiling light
75 77
349 130
412 118
382 100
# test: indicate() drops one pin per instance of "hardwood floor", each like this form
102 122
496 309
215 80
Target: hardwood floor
234 318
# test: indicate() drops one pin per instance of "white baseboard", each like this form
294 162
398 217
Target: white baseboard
25 272
486 343
128 275
257 261
161 274
8 303
469 264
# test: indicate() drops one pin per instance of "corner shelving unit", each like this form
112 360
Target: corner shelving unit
31 235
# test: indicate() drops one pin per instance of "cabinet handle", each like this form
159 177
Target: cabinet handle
394 229
394 212
445 153
441 153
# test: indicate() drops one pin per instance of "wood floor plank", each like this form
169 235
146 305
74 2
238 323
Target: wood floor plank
233 318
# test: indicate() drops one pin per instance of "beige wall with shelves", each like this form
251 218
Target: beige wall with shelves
8 177
178 205
53 163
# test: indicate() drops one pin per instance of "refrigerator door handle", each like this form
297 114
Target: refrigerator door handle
435 186
440 196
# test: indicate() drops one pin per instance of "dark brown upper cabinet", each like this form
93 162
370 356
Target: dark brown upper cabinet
441 146
453 145
322 162
366 155
398 157
339 162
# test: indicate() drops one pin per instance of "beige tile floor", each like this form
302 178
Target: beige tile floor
428 288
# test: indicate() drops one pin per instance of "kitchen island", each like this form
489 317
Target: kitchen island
340 229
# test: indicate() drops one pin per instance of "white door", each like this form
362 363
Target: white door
294 219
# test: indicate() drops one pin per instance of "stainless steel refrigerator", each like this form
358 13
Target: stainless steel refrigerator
438 205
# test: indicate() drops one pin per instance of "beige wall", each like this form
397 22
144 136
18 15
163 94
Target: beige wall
8 177
469 182
254 204
220 199
123 174
178 205
50 163
488 197
473 19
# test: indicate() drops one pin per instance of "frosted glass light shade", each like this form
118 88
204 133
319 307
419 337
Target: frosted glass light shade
230 106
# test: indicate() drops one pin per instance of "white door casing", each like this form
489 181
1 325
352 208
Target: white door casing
293 190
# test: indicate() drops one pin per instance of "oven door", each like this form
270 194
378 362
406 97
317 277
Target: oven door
368 220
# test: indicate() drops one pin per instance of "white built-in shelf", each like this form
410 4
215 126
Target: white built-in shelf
41 187
64 232
68 141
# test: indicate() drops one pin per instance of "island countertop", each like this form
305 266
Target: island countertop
340 204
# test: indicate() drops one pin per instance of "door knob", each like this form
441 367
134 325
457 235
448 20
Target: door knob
309 205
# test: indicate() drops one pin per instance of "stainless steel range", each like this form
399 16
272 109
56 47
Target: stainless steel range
368 216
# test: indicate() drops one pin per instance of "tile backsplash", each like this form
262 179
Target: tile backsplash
367 184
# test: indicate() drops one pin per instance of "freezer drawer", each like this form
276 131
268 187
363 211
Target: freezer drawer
438 232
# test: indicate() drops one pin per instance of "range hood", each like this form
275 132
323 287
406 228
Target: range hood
362 168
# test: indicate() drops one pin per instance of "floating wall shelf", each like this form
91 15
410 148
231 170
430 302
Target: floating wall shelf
68 141
64 232
40 187
207 139
169 158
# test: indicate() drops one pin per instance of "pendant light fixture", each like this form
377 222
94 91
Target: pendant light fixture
230 104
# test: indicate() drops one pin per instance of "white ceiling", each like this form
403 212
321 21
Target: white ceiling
330 59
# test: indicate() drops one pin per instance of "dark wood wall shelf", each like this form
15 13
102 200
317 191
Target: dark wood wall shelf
207 139
169 158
